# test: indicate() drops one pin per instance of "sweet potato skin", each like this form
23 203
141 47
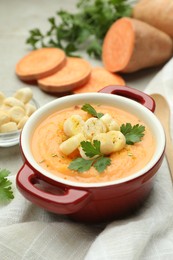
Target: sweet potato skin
158 13
151 47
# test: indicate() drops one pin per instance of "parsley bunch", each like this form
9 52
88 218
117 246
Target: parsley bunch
84 30
6 192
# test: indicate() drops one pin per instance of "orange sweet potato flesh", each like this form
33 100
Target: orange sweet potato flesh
131 45
158 13
74 74
40 63
100 78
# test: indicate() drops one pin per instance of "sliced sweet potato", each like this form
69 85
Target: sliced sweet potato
100 78
74 74
131 45
40 63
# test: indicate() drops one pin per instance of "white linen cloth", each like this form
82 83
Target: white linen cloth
31 233
28 232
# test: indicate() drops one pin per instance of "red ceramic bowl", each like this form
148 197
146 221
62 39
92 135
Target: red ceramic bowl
91 202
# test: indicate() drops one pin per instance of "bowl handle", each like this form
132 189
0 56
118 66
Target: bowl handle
131 93
66 201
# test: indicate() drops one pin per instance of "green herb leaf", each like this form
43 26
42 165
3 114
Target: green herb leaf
101 163
91 149
6 192
133 134
80 165
94 49
91 110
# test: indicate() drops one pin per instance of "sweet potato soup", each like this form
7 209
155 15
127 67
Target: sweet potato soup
49 135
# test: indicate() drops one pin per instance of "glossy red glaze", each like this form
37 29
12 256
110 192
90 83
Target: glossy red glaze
131 93
66 200
118 200
95 204
89 203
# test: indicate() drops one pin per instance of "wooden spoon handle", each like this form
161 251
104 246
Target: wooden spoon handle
169 153
163 113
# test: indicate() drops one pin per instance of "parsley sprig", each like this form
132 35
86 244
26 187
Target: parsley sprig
133 134
6 192
84 30
100 163
91 110
90 149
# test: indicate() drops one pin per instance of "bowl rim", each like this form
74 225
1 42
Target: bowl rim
67 101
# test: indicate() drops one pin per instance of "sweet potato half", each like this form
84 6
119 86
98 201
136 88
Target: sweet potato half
131 45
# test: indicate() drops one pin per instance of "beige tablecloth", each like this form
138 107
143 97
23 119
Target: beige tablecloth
30 233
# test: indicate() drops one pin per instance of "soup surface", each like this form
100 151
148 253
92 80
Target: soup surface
49 134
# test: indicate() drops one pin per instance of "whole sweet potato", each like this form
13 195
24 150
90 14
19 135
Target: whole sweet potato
158 13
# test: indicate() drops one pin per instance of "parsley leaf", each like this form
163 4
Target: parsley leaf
91 110
133 134
91 149
100 163
80 165
6 192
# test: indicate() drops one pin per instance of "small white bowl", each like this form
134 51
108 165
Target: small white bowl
12 138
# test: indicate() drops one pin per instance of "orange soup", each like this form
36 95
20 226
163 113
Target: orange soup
49 135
